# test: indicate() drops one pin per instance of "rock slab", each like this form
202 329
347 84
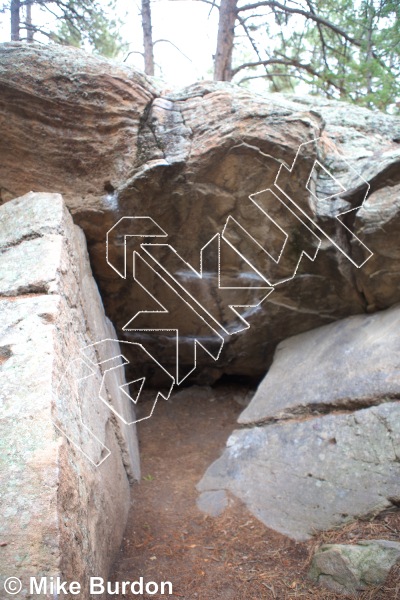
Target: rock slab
352 363
301 471
66 461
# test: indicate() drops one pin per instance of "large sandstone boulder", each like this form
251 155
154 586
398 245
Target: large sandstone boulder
322 442
116 146
67 460
79 136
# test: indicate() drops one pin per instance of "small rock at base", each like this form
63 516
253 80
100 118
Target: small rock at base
348 569
213 503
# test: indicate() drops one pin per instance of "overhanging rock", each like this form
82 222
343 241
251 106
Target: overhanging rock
190 159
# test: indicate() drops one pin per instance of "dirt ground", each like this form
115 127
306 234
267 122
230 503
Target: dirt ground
230 557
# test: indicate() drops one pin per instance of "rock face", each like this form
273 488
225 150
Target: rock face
350 569
85 107
377 222
60 445
115 147
343 366
310 472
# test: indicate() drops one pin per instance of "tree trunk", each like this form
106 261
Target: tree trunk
147 38
29 30
226 35
15 19
370 22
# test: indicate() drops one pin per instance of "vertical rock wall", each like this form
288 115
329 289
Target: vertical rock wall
66 459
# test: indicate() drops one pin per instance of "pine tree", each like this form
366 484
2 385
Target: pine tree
340 48
81 23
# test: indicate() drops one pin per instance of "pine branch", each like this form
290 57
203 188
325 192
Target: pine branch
290 62
254 45
307 14
320 33
271 75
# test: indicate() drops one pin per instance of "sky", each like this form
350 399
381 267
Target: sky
186 23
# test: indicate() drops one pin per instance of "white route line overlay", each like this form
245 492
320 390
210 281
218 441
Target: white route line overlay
343 189
102 394
59 426
230 218
200 274
124 385
165 311
159 232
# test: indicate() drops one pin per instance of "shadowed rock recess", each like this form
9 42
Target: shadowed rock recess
321 437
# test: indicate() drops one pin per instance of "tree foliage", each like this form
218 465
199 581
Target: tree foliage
81 23
341 48
348 49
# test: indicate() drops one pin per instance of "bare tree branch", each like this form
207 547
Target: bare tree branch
320 33
172 44
254 45
289 62
132 52
258 63
276 74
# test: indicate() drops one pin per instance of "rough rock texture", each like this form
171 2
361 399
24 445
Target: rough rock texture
350 569
377 223
189 160
345 365
80 133
309 472
63 503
